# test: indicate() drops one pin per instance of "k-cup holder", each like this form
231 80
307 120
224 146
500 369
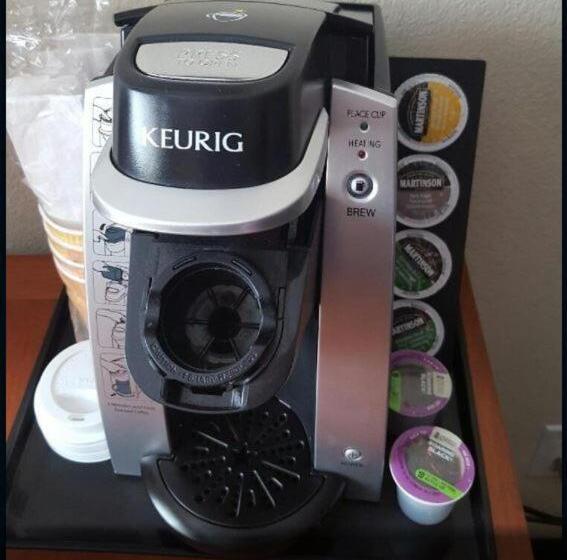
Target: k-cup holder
209 321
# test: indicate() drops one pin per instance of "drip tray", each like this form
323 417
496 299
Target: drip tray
242 470
56 504
240 482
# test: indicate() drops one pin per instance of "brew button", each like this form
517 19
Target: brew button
359 185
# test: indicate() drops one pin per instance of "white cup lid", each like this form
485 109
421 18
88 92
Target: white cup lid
67 409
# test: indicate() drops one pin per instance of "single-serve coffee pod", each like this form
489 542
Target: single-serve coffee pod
428 191
416 326
433 469
420 388
423 264
67 409
432 112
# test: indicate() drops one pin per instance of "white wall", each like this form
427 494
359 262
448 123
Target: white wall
513 245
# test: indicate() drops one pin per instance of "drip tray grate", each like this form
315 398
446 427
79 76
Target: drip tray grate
241 470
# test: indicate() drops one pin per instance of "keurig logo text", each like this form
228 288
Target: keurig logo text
196 140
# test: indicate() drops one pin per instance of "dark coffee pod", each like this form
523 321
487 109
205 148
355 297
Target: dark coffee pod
428 191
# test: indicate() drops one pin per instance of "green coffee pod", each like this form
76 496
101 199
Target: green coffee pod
423 264
416 326
428 191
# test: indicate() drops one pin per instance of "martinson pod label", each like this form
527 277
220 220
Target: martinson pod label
417 326
423 264
428 191
432 112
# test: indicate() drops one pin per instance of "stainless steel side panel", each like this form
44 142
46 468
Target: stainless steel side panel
357 287
134 425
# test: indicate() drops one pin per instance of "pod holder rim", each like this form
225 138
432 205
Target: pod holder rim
244 276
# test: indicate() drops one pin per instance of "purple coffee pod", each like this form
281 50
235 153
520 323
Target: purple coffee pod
420 388
433 469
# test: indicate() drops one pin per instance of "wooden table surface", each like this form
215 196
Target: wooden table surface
33 288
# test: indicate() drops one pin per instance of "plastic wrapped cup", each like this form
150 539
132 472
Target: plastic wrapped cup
67 409
79 317
433 469
420 388
73 253
67 234
66 245
73 269
76 292
74 284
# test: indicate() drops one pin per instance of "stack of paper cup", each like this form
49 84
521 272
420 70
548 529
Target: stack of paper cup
66 244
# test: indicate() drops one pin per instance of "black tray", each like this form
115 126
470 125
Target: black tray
56 504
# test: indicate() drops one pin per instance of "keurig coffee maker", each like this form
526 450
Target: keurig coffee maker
239 241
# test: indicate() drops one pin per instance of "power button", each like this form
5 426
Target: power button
359 185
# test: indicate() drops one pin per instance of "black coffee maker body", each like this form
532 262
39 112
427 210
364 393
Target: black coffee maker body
247 194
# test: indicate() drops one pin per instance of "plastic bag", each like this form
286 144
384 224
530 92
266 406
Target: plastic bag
45 130
53 49
42 35
53 37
